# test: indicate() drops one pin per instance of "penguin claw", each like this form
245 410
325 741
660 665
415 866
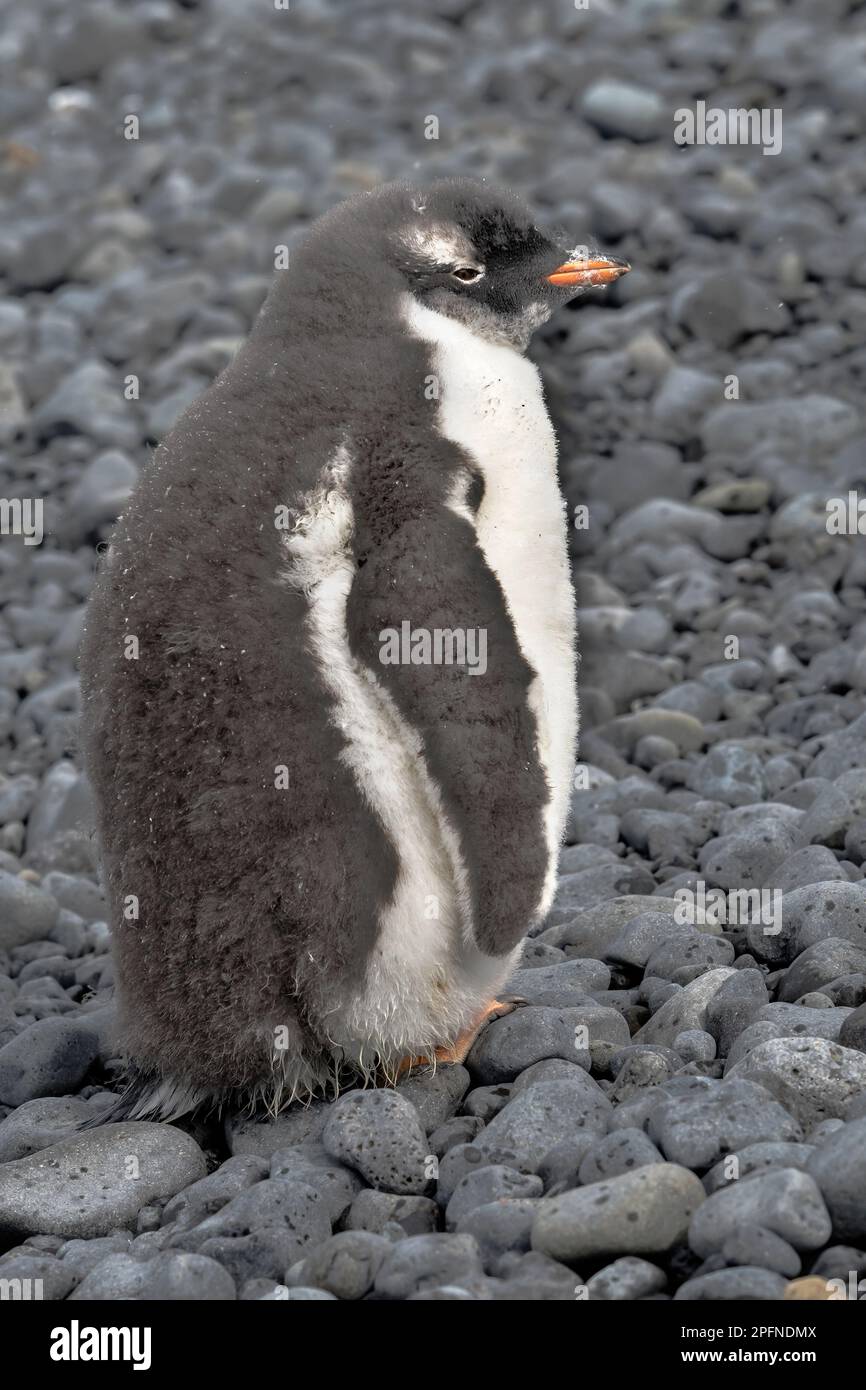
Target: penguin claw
500 1008
460 1049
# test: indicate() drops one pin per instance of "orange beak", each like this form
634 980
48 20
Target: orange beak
601 270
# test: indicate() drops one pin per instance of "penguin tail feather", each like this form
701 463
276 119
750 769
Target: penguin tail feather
148 1097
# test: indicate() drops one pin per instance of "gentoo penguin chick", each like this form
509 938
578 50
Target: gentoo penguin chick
329 706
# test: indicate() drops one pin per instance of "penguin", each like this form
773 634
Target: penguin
329 703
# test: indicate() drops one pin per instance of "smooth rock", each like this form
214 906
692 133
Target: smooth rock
785 1201
542 1116
421 1263
50 1058
646 1212
98 1181
344 1265
170 1276
812 1079
839 1169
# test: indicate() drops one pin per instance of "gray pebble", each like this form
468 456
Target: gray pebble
501 1228
685 958
488 1185
551 1069
757 1246
627 1279
685 1010
756 1157
205 1197
169 1276
533 1277
462 1159
644 934
291 1211
698 1130
373 1211
87 1186
45 1273
734 1006
838 1261
747 1285
560 1167
267 1137
852 1033
640 1072
839 1168
422 1263
461 1129
811 914
645 1212
730 774
748 857
811 1078
37 1124
542 1116
345 1265
785 1201
75 893
50 1058
273 1291
337 1186
620 1152
693 1045
580 892
484 1102
82 1256
529 1035
435 1095
27 912
817 965
622 108
787 1021
378 1133
846 991
576 976
100 493
590 932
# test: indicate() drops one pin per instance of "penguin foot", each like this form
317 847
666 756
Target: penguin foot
462 1046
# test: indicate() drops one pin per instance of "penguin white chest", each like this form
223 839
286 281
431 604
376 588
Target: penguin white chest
491 405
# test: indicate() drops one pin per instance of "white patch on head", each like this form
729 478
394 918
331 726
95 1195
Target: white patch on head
439 244
425 980
491 405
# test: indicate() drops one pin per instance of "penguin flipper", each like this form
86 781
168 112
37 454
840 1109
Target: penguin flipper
477 729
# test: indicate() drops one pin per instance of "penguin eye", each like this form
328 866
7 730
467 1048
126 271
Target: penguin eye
467 274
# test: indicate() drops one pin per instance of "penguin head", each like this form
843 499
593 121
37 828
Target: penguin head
475 253
466 249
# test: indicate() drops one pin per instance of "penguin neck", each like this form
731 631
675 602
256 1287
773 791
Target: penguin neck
331 300
505 330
